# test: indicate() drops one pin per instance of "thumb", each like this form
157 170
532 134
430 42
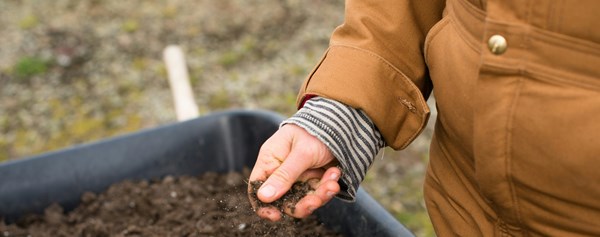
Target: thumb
298 161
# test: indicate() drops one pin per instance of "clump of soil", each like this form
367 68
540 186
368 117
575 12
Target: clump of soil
209 205
288 200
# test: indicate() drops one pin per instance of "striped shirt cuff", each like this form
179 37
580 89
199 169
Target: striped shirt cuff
348 133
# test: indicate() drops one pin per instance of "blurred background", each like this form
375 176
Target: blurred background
76 71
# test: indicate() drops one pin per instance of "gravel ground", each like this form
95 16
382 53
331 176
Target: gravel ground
77 71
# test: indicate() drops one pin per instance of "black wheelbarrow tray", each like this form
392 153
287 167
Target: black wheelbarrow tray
220 142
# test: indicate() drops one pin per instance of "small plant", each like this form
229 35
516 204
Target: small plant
30 66
28 22
230 58
130 26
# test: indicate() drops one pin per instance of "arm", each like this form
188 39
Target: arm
374 65
321 130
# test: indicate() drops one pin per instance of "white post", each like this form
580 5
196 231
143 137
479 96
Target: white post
185 105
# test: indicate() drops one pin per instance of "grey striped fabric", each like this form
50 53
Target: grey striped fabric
350 135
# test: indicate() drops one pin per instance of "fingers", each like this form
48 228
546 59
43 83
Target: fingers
269 213
271 155
325 190
329 184
312 174
284 176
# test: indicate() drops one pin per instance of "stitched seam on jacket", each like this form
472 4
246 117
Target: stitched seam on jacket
566 41
304 87
433 32
451 201
508 150
465 34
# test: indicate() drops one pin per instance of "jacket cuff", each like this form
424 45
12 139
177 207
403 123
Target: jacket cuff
348 133
365 81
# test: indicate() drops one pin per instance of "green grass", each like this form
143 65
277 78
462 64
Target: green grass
28 22
30 66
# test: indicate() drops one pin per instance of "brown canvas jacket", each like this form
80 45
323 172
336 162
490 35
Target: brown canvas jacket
516 149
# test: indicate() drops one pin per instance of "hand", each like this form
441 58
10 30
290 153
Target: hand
293 154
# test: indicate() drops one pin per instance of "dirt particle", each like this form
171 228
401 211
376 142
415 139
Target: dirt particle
54 214
88 197
168 179
242 226
204 228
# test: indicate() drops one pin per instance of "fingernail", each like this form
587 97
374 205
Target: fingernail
334 176
329 194
267 191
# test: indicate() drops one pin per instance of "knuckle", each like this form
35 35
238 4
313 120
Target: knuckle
265 148
282 175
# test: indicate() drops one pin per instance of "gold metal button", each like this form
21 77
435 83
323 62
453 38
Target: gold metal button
497 44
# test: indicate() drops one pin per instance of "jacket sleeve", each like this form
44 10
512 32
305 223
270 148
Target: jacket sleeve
375 63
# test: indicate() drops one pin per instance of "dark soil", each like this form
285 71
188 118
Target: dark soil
209 205
287 201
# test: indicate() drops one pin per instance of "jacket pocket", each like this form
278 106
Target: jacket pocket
433 32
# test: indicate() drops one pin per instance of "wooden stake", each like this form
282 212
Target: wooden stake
185 105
